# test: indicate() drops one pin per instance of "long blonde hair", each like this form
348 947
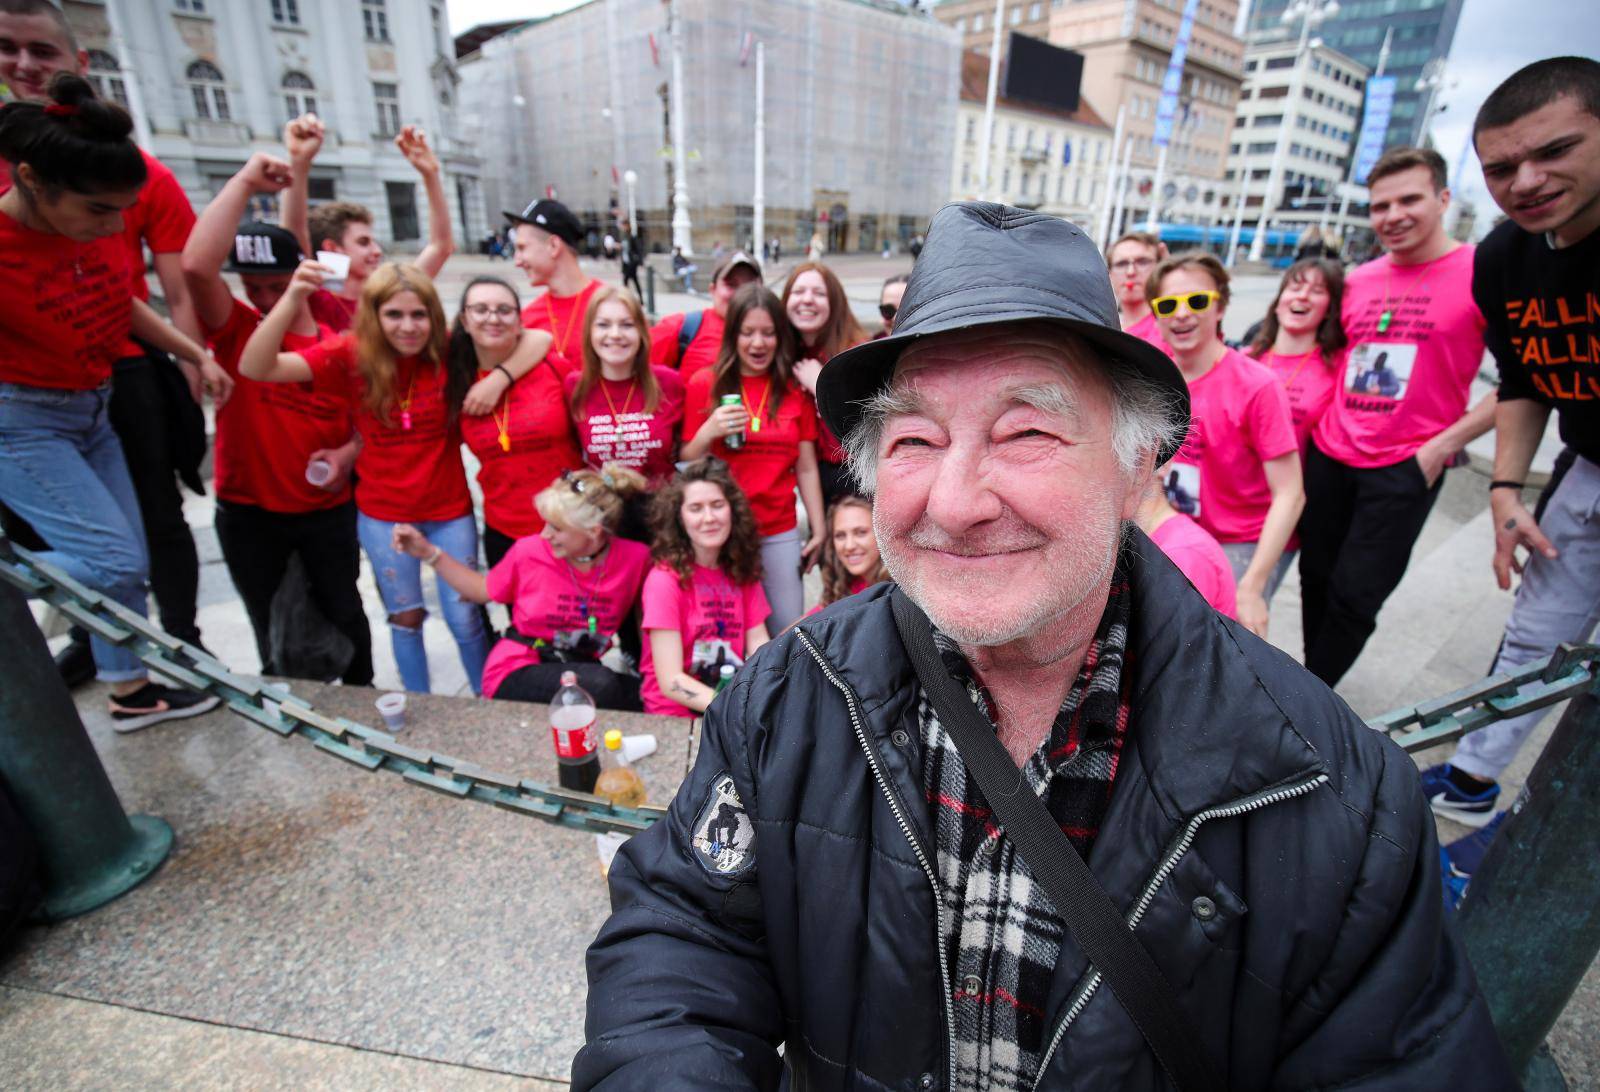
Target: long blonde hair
591 374
836 579
375 357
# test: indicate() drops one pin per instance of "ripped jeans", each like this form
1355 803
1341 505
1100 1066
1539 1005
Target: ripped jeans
399 579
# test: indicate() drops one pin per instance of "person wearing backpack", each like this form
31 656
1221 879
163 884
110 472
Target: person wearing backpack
690 341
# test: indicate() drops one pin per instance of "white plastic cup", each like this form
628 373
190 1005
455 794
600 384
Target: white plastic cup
393 709
636 747
319 472
338 269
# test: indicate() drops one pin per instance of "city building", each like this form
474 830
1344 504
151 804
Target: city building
974 20
860 100
1423 32
1040 157
1305 110
1127 45
212 81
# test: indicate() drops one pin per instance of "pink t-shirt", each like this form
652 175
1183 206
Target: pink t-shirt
619 430
1308 379
1406 383
1197 556
1239 419
1148 329
551 600
712 616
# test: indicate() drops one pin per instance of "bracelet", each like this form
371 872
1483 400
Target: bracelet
1501 484
501 368
432 560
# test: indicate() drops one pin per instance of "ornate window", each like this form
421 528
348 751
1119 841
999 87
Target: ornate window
387 97
286 12
106 75
208 91
375 20
299 94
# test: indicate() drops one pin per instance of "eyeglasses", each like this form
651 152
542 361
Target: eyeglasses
1196 302
484 310
710 462
887 310
577 484
1132 265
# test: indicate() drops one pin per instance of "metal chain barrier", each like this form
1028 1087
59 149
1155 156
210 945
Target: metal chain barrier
276 709
1572 670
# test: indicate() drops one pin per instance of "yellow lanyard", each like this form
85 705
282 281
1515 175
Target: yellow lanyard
755 414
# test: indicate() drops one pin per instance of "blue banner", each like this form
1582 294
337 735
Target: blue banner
1172 83
1374 125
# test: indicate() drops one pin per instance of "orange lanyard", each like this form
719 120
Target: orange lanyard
405 404
1288 383
502 417
616 419
755 414
572 317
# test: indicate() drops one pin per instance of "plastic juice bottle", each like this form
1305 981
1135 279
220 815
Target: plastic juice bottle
619 782
572 731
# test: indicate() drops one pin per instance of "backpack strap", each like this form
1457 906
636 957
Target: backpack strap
688 331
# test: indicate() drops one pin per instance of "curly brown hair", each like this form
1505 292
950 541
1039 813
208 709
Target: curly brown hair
836 579
740 559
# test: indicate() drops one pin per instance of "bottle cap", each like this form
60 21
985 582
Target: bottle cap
727 671
614 739
569 678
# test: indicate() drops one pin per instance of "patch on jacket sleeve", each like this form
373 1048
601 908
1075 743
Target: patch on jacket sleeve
724 838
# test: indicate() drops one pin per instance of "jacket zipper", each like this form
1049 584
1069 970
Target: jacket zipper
905 828
1159 877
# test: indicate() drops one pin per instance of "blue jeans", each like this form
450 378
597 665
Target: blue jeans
62 470
399 578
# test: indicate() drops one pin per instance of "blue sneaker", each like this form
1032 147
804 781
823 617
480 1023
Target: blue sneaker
1451 801
1452 888
1466 854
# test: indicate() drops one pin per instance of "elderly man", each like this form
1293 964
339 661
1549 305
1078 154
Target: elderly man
1261 902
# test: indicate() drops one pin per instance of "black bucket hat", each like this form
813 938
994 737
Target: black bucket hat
985 264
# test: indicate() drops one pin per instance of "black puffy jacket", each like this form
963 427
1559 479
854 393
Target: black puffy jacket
1274 853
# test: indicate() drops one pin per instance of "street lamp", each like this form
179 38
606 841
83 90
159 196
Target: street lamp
1433 81
1309 14
630 178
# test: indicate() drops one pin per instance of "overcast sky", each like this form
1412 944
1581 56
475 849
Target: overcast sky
1495 38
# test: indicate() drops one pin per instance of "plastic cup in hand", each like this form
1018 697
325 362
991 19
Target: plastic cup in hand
338 269
319 472
393 709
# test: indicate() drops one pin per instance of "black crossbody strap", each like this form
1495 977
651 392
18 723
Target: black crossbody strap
1092 918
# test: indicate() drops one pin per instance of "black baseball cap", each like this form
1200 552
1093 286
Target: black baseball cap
263 248
552 216
986 264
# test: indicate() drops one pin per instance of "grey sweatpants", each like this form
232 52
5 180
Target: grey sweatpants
1559 601
781 581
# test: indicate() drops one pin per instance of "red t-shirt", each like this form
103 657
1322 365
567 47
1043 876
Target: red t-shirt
403 474
1406 383
765 465
335 312
1239 420
562 316
540 444
1308 379
266 432
829 449
65 309
712 616
1197 556
610 432
701 352
552 601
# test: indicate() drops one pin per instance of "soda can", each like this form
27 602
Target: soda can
734 440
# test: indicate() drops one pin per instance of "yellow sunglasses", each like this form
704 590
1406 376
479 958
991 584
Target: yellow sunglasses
1194 301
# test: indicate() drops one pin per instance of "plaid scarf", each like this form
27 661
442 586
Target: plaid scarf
1004 936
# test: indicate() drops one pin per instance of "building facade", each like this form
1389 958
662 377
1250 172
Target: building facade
860 101
211 82
1040 158
1306 110
1423 33
1127 45
974 20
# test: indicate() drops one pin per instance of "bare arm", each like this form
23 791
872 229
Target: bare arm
180 303
149 326
485 394
261 359
1433 455
1519 426
666 650
810 480
723 421
754 638
211 240
1288 500
441 242
302 138
468 582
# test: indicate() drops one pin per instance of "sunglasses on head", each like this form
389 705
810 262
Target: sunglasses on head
887 310
1196 302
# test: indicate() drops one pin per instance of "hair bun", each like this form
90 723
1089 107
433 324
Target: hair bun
94 118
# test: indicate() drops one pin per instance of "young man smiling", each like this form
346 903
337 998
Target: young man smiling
1377 458
1536 278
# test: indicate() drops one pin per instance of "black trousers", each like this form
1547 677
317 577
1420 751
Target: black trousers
1356 537
496 544
257 545
147 422
539 683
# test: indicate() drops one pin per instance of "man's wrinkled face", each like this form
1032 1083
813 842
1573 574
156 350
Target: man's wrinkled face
999 498
1544 170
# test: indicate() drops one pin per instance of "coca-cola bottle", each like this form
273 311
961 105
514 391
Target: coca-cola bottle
572 732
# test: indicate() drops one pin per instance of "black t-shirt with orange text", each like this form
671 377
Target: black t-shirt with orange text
1542 305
